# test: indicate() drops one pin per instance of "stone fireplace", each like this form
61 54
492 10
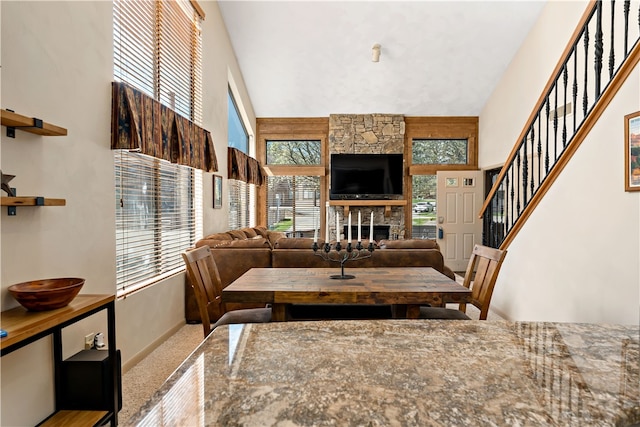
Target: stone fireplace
368 134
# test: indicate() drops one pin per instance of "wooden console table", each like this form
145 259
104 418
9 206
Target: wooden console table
24 327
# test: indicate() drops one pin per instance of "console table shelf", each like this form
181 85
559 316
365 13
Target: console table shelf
24 327
31 124
386 203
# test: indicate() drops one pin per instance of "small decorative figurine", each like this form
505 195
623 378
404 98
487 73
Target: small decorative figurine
5 184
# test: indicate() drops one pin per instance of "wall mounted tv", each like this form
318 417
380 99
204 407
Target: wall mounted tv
366 176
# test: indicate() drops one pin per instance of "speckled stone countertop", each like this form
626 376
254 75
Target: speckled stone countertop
405 373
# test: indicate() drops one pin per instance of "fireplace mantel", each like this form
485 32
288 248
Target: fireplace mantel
346 204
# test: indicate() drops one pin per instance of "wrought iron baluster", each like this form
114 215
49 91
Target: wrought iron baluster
585 95
612 54
627 7
539 150
518 182
555 123
546 155
532 175
599 48
525 171
565 77
512 195
574 52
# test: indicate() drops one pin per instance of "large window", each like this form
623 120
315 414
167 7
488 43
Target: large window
293 204
240 193
157 49
293 198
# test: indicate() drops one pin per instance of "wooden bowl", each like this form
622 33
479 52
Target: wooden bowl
46 294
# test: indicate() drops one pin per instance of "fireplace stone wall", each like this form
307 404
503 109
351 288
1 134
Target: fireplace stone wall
368 134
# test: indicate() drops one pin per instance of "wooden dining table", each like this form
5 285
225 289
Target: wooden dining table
404 288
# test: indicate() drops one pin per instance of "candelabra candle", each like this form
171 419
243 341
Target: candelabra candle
336 253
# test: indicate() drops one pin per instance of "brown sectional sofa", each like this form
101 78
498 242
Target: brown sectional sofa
237 251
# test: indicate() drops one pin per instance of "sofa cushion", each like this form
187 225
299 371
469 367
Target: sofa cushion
261 231
249 232
409 244
274 236
218 236
296 243
237 234
256 242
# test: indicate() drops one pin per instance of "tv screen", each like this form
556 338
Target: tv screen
366 176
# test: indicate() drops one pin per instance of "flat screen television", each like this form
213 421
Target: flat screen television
366 176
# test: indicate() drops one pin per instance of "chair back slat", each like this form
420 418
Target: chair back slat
486 263
206 283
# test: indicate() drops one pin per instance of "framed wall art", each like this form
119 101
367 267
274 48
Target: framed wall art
632 152
217 191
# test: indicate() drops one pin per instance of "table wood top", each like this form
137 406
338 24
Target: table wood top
22 324
393 285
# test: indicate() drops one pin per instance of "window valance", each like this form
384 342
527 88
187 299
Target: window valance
243 167
140 123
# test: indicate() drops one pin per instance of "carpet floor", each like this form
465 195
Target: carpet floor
142 380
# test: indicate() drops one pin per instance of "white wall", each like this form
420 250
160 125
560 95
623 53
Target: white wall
578 256
57 64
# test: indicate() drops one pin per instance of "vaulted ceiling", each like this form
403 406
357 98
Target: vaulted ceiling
314 58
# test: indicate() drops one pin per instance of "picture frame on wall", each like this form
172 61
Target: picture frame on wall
632 151
217 191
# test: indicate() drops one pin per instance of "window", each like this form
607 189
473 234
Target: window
293 204
157 49
293 199
439 151
423 208
293 152
238 136
240 193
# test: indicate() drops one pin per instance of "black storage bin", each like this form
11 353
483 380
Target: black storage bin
87 383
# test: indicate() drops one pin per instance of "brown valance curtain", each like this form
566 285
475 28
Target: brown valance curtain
140 123
243 167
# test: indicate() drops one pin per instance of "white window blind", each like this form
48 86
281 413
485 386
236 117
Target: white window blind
155 219
240 194
158 50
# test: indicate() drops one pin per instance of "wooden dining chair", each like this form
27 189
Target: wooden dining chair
207 287
486 263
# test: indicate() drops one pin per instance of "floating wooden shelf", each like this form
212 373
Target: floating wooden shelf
386 203
32 201
30 124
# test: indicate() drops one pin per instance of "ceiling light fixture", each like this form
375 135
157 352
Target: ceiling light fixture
375 54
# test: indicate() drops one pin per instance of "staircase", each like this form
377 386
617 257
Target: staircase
603 51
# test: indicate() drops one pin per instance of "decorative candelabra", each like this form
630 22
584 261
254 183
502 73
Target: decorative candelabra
349 253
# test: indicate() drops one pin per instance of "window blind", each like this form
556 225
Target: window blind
155 219
293 204
240 196
157 50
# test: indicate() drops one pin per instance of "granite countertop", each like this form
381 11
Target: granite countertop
405 373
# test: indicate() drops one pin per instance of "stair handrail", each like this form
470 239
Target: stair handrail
616 77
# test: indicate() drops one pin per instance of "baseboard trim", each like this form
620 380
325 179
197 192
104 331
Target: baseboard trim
137 358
